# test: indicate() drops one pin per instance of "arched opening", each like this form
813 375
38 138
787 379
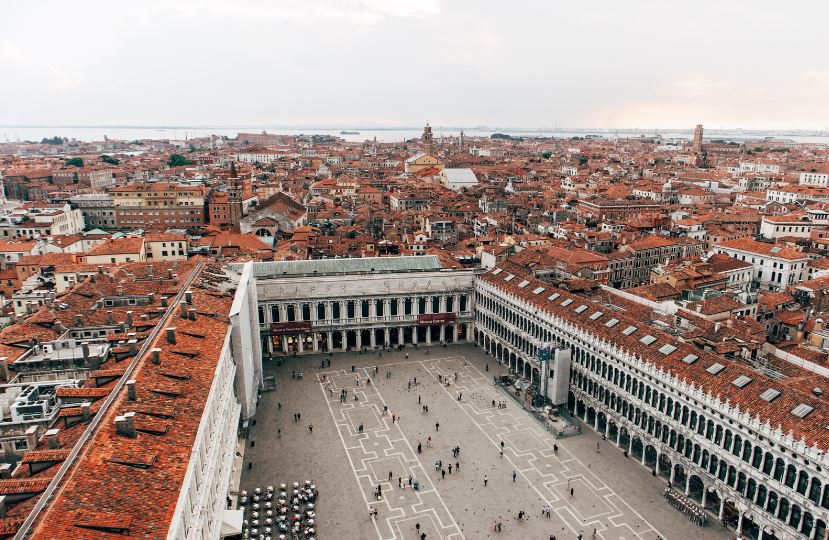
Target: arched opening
680 477
650 456
712 501
624 437
730 514
695 488
665 466
637 448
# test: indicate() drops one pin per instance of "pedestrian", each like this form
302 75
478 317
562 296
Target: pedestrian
298 417
443 474
437 426
457 466
493 403
594 532
400 481
555 449
571 492
252 444
417 526
422 536
419 448
410 480
597 447
390 476
279 433
502 445
393 418
418 399
502 453
429 441
450 468
410 385
375 512
485 480
311 428
279 406
513 476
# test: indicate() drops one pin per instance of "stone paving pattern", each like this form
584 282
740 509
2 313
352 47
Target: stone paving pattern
615 495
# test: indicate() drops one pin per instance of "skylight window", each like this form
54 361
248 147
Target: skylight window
802 410
523 284
629 330
581 309
647 340
567 302
611 323
770 395
775 249
509 277
667 349
690 359
741 381
553 296
539 290
715 368
596 315
497 271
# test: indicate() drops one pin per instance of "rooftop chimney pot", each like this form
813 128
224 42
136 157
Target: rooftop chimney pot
131 390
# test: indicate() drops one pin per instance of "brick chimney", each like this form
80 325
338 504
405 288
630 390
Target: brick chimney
31 437
188 297
6 471
163 300
4 368
78 320
125 425
53 439
110 317
85 411
129 319
156 356
192 313
183 307
131 390
171 335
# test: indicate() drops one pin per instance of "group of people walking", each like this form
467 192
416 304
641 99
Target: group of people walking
694 513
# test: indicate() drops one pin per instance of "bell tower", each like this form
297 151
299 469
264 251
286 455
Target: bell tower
426 139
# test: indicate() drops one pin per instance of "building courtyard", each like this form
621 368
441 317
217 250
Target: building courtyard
354 447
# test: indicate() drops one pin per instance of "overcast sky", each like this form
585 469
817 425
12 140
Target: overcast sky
401 62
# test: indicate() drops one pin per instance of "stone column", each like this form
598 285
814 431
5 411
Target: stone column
657 466
428 335
443 333
644 453
443 303
284 345
315 343
372 308
345 340
329 311
722 509
359 339
704 495
740 524
688 484
673 473
330 337
373 338
300 339
386 336
469 332
313 310
456 303
618 434
414 335
400 336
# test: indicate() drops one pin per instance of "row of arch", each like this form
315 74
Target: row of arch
361 308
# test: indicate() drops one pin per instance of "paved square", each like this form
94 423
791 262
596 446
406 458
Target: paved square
610 493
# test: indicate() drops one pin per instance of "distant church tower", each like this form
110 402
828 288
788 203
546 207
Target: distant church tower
460 143
698 139
234 198
427 138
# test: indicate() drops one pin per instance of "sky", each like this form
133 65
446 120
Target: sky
396 63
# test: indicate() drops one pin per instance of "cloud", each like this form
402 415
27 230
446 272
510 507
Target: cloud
30 69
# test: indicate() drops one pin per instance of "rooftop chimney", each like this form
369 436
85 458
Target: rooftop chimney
171 335
175 277
129 319
100 269
110 317
3 501
133 344
163 300
183 306
188 297
169 273
192 312
31 437
120 290
85 350
78 319
131 390
4 368
87 414
53 438
125 425
6 471
156 356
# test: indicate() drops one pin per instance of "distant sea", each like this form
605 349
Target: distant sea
97 133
